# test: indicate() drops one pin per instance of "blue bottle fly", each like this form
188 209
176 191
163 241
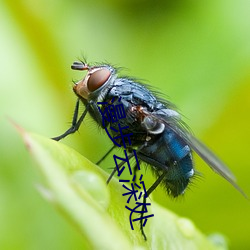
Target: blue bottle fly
159 135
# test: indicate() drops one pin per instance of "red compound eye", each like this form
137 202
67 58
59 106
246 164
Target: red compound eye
97 79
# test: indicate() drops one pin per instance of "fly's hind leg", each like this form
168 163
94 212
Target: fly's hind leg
148 192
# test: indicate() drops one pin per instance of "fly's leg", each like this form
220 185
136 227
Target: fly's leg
97 114
105 155
135 171
148 192
120 165
75 123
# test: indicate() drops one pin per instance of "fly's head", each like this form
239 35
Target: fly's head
95 81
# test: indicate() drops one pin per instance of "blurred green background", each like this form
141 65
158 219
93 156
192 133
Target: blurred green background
196 52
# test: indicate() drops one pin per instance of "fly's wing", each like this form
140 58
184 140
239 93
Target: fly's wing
175 124
212 160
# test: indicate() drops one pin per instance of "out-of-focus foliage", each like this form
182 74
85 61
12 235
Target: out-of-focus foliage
197 53
95 208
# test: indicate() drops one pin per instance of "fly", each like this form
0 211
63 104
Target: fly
160 136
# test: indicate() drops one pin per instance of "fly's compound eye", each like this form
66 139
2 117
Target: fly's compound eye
97 79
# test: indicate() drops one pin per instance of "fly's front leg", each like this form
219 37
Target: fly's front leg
75 123
97 114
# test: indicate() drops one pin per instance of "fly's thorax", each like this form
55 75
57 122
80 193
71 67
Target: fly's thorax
95 84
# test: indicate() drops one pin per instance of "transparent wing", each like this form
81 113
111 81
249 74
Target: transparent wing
206 154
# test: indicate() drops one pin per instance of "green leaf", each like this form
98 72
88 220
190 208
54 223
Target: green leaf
78 189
